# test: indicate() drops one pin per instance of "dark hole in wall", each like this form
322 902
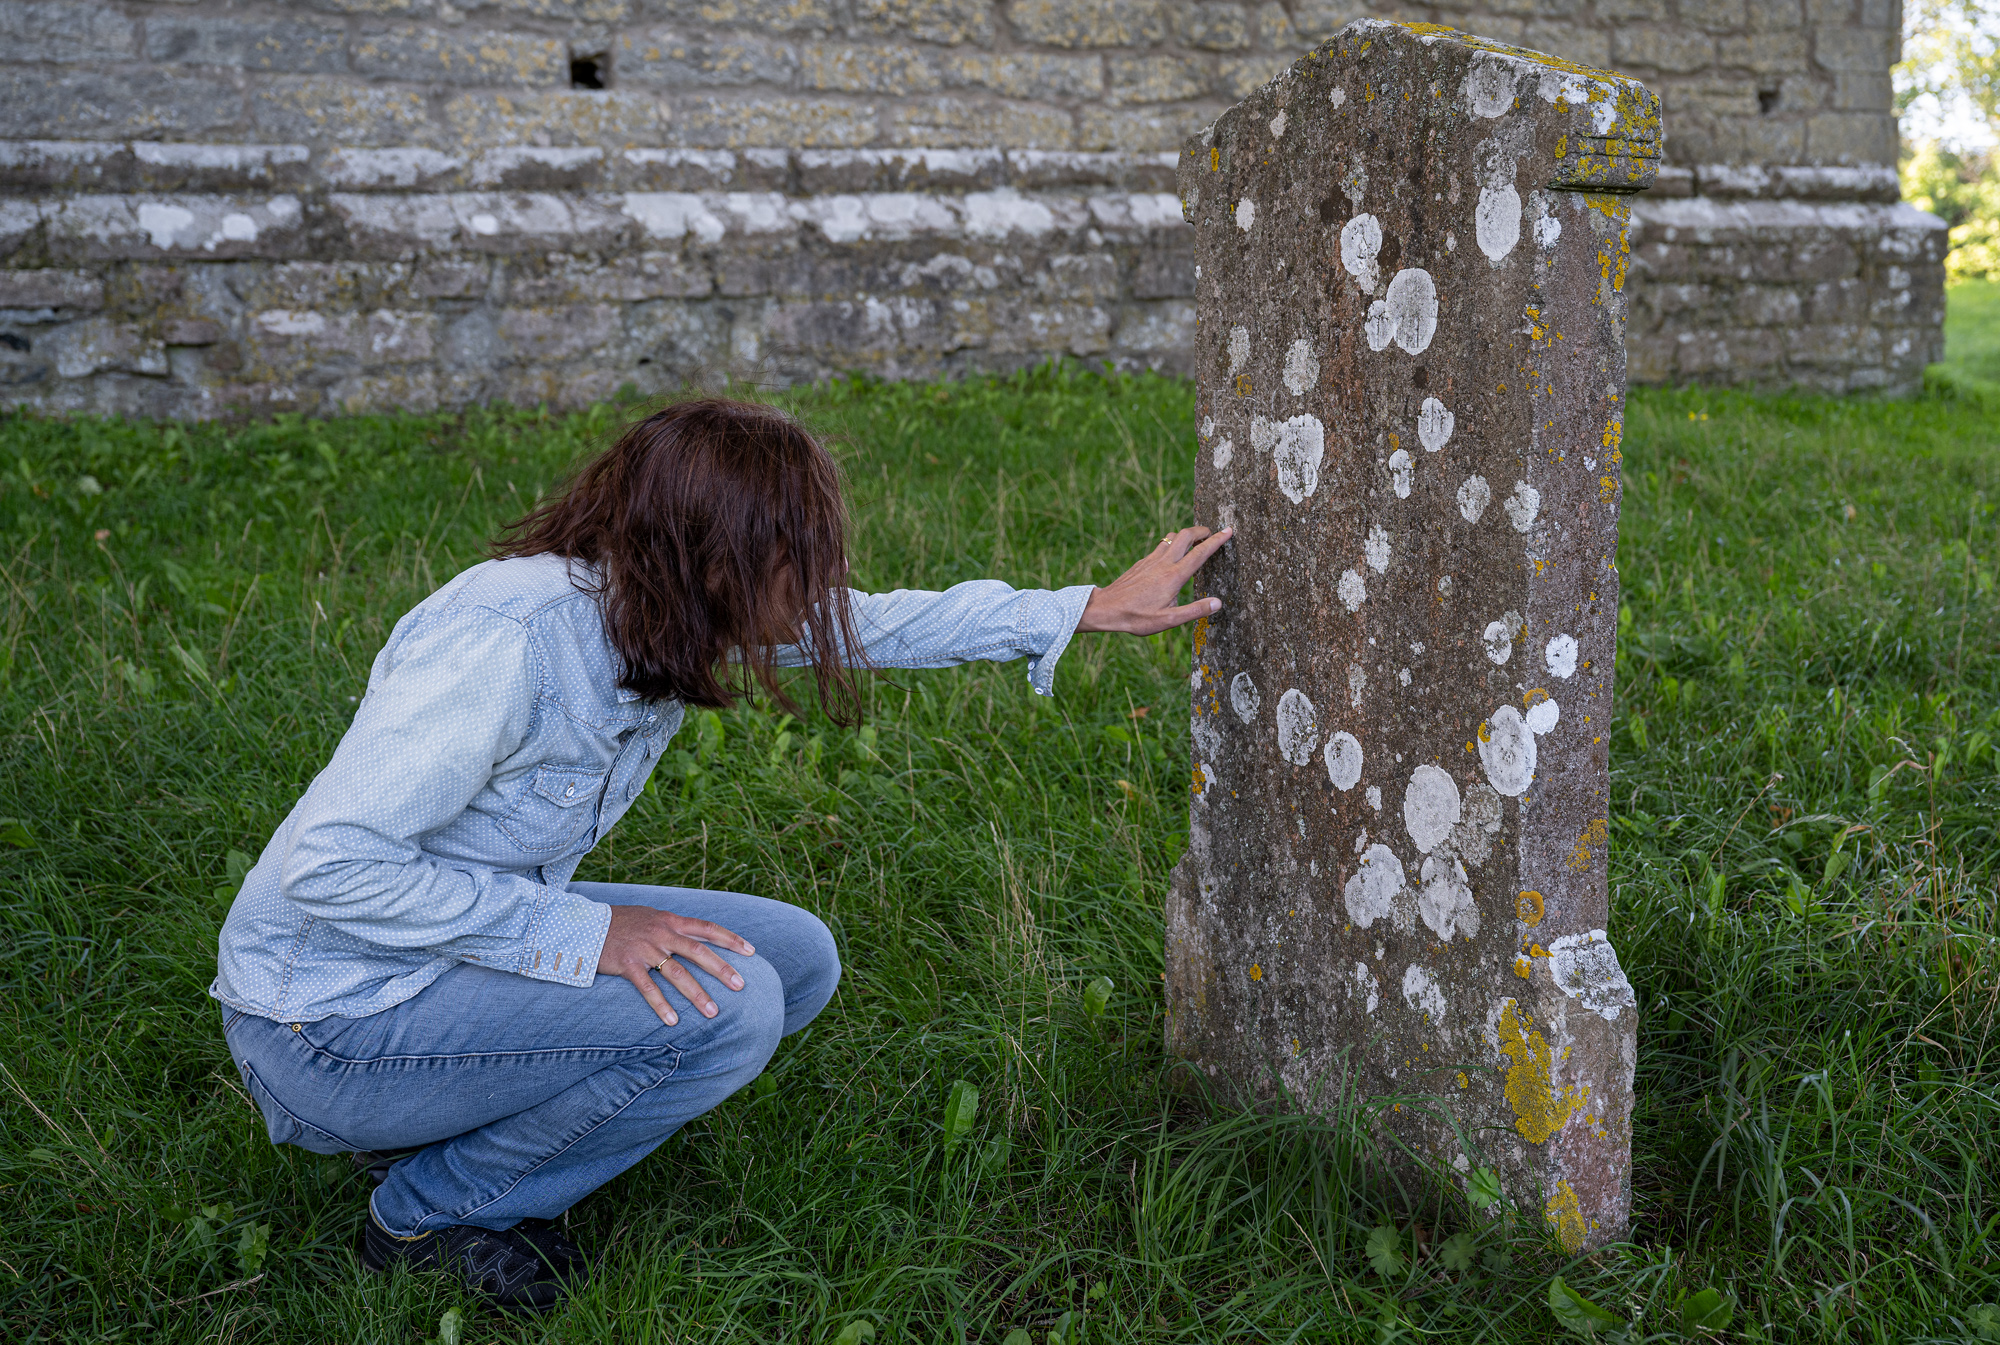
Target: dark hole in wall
590 72
1767 101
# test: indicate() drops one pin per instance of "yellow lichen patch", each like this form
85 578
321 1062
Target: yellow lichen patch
1200 636
1242 385
1215 161
1485 732
1594 834
1565 1214
1534 696
1256 972
1540 1109
1522 967
1200 780
1528 908
1607 489
1463 1082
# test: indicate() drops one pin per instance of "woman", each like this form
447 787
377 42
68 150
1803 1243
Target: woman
409 966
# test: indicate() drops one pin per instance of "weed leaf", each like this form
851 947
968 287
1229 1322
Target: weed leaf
1706 1311
1096 996
1482 1187
960 1108
1385 1250
1577 1313
1456 1252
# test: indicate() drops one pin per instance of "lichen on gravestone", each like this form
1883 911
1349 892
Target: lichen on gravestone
1411 298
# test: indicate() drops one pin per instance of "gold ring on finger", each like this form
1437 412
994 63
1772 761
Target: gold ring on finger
661 965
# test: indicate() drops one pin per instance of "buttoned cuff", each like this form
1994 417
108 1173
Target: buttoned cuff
1045 621
566 940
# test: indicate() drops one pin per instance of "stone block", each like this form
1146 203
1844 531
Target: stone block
835 171
846 67
190 331
1635 11
1025 74
1140 129
1851 137
966 121
1241 76
1671 50
289 46
1584 45
66 31
36 104
450 278
1724 96
462 56
949 22
1157 79
1776 53
1715 16
103 345
674 169
50 290
1768 140
1215 25
558 332
1165 331
1774 16
410 390
1317 20
400 9
579 11
555 117
1864 91
395 169
533 168
1429 621
64 165
804 123
178 166
1274 27
93 227
1164 270
316 108
769 16
282 338
1838 47
565 280
1090 23
1153 172
664 59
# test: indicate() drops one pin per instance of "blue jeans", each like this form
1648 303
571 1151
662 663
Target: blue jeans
527 1096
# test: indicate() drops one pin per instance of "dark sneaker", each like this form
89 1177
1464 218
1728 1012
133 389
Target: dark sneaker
375 1166
503 1266
563 1257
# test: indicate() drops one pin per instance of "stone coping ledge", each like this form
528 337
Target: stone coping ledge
144 165
351 225
1803 182
1767 220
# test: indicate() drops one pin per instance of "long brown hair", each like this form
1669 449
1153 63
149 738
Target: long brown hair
715 526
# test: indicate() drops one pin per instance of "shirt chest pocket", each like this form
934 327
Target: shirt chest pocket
557 807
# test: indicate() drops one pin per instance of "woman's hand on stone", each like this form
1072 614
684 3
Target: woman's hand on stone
1141 601
643 940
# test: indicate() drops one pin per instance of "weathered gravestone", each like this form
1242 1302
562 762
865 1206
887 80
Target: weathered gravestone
1412 253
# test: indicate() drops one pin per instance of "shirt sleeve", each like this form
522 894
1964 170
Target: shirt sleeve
453 701
980 619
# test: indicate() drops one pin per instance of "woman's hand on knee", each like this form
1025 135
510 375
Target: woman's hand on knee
643 940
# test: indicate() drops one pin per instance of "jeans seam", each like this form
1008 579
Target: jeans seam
293 1116
569 1144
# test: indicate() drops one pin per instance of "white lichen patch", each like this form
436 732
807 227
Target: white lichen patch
1207 736
1444 899
1246 214
1482 808
1402 473
1239 350
1403 676
1204 780
1338 97
1298 727
1431 806
1374 797
1360 242
1585 967
1371 893
1300 448
1522 506
1560 656
1360 840
1352 590
1278 125
1543 716
1207 427
1223 453
1422 994
1301 368
1435 423
1489 86
1499 641
1244 698
1343 761
1362 984
1547 227
1375 550
1496 221
1473 497
1357 679
1507 751
1407 314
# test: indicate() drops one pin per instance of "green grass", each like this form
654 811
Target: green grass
1972 330
1804 896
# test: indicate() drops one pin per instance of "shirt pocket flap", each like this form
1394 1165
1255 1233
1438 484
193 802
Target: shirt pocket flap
568 786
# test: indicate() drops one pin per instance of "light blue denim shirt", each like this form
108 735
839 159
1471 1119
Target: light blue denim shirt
492 750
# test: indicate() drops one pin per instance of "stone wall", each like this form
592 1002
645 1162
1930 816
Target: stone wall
221 206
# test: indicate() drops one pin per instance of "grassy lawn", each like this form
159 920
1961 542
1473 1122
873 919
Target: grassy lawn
1804 876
